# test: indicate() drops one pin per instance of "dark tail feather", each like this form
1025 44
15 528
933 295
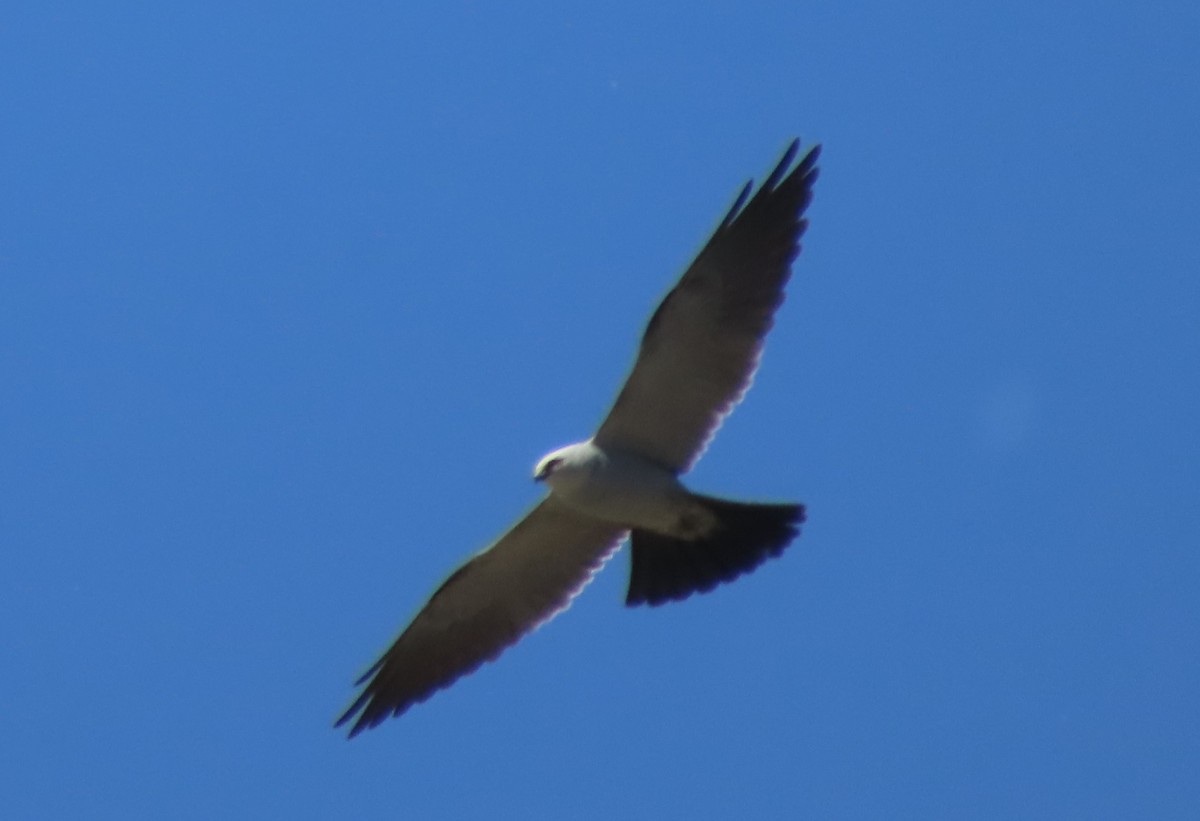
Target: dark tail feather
663 568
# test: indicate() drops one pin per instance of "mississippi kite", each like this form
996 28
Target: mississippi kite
697 358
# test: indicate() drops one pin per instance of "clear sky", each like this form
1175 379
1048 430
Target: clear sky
292 297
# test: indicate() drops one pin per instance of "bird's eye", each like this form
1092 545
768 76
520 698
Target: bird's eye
552 466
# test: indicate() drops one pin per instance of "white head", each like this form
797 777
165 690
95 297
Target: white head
567 465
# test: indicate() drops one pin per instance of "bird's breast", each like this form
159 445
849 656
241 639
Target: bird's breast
624 488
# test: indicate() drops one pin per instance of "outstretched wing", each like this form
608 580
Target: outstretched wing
485 606
702 345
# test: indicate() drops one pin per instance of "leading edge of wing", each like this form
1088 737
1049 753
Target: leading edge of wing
487 605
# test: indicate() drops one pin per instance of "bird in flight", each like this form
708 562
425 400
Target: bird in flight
697 359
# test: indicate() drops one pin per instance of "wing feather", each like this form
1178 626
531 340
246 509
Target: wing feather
703 343
523 580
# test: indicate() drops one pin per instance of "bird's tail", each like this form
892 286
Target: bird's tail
665 568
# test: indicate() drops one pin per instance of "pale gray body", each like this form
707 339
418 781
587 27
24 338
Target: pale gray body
623 488
696 361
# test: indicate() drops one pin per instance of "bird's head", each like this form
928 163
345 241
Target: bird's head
564 462
548 464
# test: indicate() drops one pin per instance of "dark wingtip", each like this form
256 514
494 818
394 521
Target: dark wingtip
353 710
805 170
368 713
781 168
371 671
737 204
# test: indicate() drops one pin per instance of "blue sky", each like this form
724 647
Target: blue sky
291 299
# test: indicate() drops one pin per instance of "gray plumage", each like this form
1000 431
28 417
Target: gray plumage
697 359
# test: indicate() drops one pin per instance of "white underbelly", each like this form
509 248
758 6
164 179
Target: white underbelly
629 491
